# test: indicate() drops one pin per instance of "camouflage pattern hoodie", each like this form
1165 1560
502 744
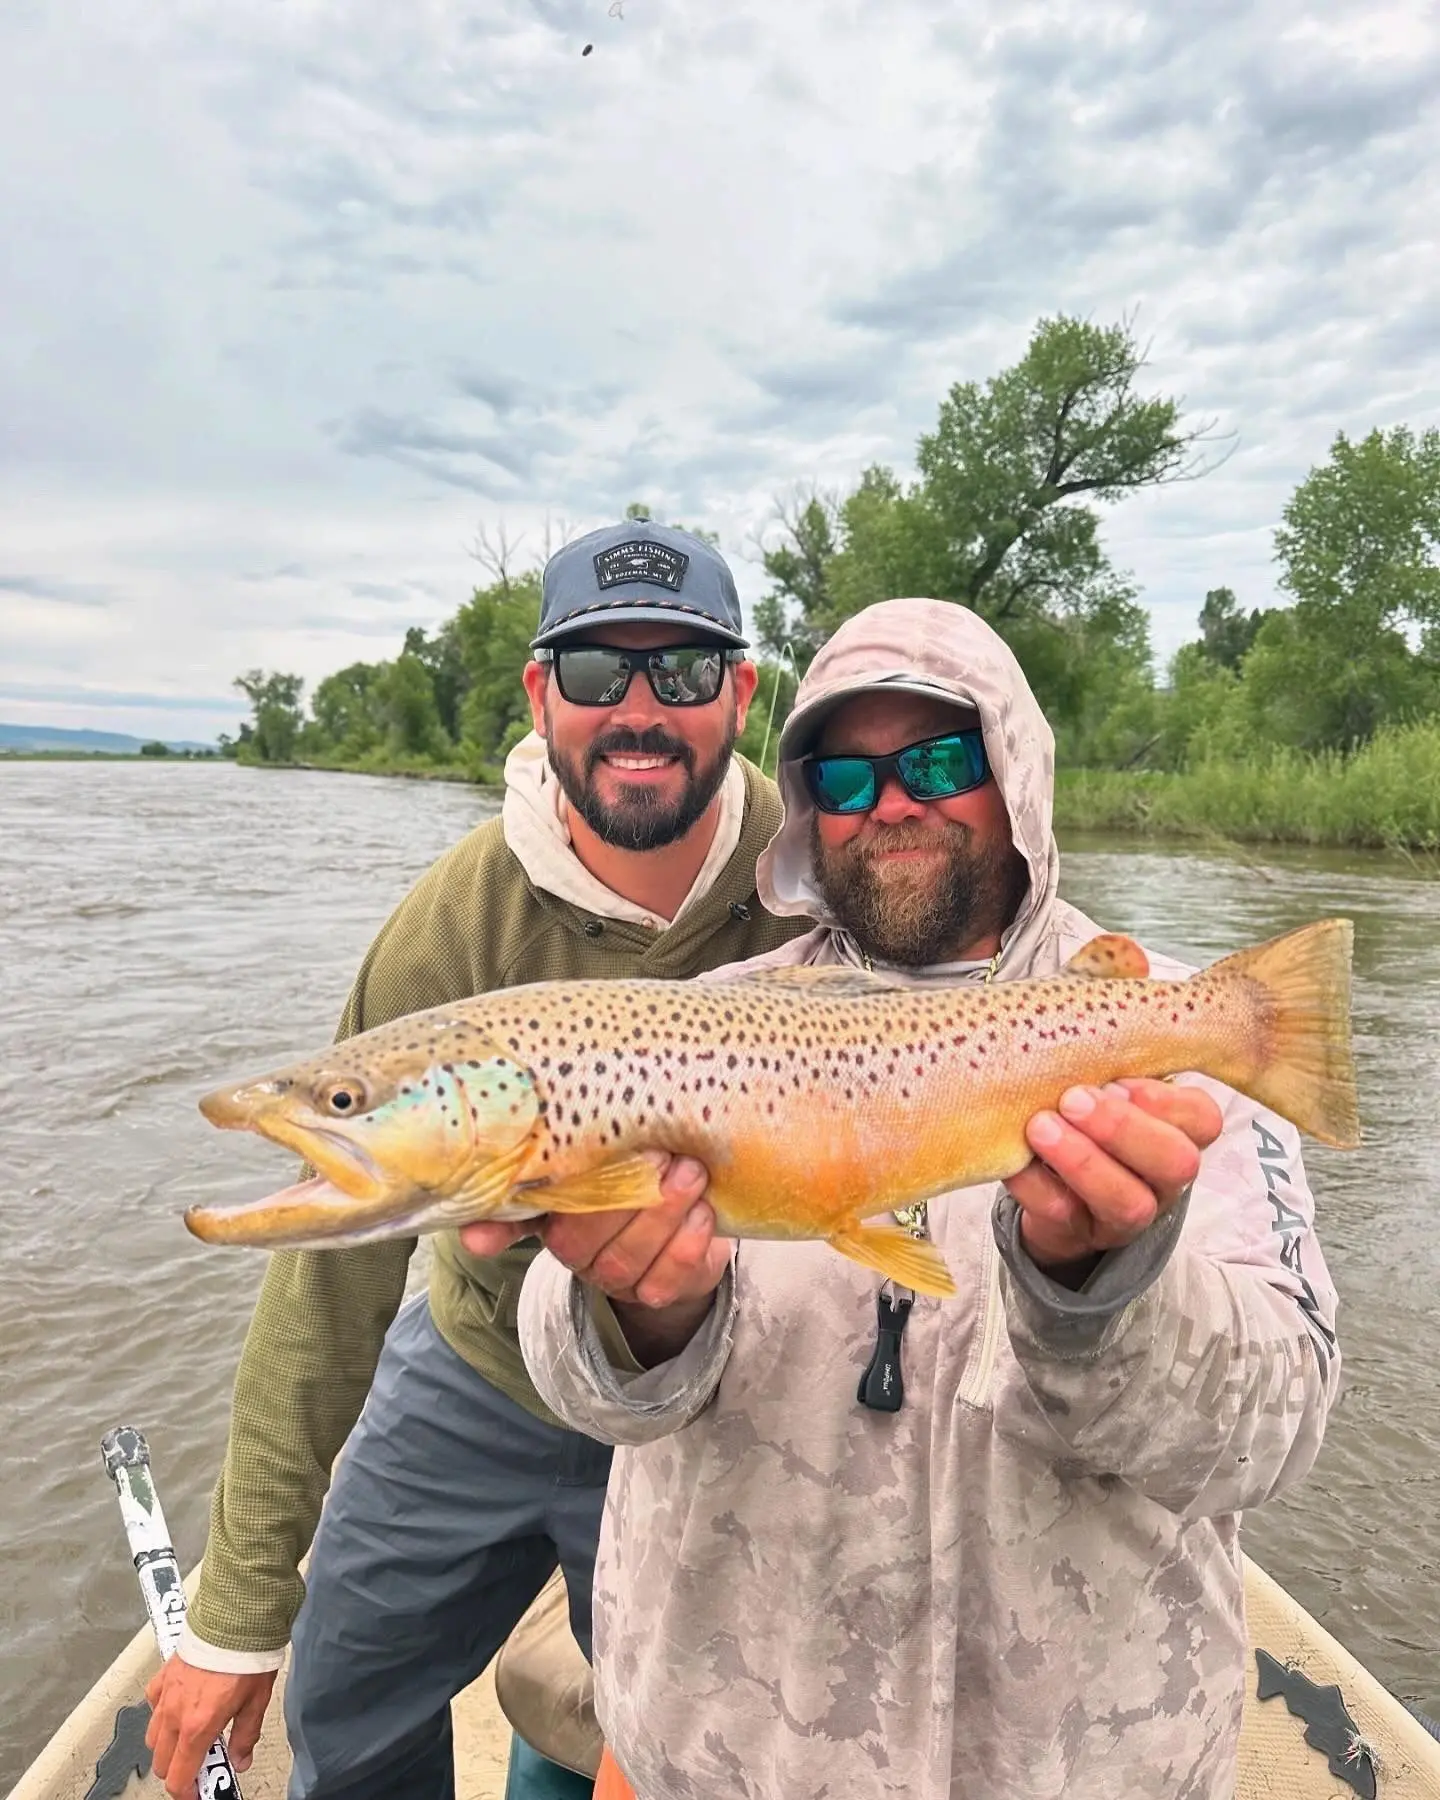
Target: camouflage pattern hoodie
1026 1582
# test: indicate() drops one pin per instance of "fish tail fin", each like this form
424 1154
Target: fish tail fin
1306 1070
913 1262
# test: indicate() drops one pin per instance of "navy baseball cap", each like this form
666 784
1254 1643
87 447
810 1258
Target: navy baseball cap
638 573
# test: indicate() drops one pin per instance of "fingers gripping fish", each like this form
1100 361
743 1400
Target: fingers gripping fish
817 1098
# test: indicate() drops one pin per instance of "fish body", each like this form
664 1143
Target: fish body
817 1098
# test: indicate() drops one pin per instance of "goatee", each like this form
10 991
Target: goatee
644 819
930 911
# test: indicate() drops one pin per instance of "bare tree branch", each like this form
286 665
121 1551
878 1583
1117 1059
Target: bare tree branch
498 558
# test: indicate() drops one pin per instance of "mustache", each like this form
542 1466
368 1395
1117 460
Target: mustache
654 741
883 839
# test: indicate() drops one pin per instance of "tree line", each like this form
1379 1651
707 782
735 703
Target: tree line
1002 517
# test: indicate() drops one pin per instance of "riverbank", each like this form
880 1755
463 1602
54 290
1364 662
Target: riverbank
1385 796
393 769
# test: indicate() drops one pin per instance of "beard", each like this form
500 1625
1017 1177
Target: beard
643 819
914 915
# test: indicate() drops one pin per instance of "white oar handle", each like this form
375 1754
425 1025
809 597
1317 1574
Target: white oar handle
127 1463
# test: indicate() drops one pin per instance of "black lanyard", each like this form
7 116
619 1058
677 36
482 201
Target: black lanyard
882 1386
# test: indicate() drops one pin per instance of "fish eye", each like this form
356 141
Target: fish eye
343 1097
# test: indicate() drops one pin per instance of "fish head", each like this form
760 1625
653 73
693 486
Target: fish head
406 1125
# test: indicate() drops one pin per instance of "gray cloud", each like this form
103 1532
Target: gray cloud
70 693
64 593
310 294
446 454
291 571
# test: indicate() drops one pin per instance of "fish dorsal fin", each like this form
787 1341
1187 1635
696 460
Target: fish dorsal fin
1109 957
822 980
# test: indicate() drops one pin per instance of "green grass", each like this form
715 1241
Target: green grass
1384 796
378 762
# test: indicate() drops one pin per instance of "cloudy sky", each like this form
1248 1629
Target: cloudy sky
299 295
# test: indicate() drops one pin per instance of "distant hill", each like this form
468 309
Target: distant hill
109 743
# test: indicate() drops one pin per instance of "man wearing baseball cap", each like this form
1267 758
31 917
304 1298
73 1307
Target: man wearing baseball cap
626 846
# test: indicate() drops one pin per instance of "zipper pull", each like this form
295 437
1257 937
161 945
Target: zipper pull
882 1387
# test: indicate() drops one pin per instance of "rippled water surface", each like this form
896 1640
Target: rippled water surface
164 926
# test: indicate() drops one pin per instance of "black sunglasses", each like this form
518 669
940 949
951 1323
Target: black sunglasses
937 768
600 674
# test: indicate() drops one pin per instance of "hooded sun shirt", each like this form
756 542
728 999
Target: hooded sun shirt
1027 1581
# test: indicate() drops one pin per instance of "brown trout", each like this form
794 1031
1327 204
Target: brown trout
817 1098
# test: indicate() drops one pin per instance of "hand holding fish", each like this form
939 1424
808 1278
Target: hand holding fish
1107 1165
658 1266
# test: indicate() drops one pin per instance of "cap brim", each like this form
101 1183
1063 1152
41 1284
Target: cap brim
798 736
597 618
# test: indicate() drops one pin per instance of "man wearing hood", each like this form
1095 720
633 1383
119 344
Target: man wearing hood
864 1543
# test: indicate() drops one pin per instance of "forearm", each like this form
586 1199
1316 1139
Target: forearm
306 1368
1205 1389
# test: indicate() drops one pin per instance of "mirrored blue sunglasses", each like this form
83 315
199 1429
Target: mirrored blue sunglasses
937 768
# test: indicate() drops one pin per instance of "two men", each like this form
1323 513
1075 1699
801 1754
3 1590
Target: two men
1026 1580
627 845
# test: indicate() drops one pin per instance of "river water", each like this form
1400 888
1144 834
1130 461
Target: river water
163 926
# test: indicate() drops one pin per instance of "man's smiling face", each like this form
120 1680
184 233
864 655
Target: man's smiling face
915 882
639 773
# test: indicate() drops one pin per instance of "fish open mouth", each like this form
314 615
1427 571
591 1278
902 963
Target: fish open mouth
311 1212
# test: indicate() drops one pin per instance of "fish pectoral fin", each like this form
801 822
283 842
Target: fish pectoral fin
913 1262
1109 957
832 978
630 1184
485 1191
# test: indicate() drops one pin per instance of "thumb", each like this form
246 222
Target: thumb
245 1732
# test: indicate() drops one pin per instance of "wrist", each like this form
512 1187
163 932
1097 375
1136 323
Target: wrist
656 1334
1067 1265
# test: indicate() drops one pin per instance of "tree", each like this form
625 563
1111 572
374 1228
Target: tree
155 748
1225 631
275 701
800 568
1359 548
346 717
1001 519
996 519
405 698
449 677
493 630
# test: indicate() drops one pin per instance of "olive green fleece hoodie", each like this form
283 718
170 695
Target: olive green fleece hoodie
479 919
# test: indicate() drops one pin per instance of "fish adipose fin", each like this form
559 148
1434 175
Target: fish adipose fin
913 1262
1307 1073
1109 957
631 1183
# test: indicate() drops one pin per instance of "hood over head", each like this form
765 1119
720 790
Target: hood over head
931 647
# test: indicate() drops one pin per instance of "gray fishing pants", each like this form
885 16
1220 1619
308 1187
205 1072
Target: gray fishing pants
450 1508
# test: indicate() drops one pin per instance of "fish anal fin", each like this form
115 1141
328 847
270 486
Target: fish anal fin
1109 957
913 1262
629 1184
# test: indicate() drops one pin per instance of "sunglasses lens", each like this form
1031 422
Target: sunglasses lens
596 675
686 677
591 675
945 766
842 784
